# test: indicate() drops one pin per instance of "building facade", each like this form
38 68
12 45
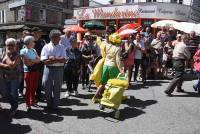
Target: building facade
16 15
194 4
80 3
145 13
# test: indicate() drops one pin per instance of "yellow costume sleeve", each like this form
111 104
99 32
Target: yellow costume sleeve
96 75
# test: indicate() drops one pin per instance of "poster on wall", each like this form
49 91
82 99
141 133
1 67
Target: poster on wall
28 13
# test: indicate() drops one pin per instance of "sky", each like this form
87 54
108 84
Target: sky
102 1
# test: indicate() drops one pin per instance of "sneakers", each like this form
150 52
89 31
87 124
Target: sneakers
76 93
168 94
28 108
195 88
67 94
180 90
95 100
12 113
20 95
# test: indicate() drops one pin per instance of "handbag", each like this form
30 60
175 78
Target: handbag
125 55
34 67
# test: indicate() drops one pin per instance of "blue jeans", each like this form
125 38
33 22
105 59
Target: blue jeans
9 90
198 83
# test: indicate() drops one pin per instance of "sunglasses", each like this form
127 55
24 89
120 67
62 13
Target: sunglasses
11 45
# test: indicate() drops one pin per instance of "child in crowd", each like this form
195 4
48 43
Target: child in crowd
196 59
73 68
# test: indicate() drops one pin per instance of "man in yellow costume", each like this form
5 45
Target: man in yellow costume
110 65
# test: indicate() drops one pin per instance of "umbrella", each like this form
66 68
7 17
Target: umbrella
164 23
94 25
74 28
129 26
127 32
187 27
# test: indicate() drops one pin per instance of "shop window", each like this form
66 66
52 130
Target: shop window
147 22
111 22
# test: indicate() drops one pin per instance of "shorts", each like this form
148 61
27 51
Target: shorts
108 73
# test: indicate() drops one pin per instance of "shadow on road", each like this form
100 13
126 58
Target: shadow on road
128 113
39 115
133 102
188 94
149 83
85 96
7 127
70 102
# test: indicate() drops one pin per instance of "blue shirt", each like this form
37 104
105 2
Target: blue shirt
29 54
65 42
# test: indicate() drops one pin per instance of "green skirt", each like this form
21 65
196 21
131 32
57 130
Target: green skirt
108 73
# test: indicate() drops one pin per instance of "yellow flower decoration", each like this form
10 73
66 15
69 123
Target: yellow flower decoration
115 39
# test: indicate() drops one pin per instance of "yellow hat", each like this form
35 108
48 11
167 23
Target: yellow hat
115 39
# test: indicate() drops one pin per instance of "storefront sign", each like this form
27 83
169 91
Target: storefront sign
71 22
146 10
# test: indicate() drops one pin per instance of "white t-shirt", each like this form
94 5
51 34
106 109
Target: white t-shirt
53 50
138 53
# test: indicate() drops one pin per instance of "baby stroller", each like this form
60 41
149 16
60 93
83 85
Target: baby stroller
91 67
113 94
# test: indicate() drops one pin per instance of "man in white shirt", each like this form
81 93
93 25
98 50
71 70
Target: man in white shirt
53 55
180 55
139 49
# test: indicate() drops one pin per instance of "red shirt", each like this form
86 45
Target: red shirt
196 58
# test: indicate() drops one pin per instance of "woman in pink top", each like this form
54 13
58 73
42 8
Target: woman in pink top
129 61
196 59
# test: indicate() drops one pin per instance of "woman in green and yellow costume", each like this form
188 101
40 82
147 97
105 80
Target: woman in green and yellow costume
112 63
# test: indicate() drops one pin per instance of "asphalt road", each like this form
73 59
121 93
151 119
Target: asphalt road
147 111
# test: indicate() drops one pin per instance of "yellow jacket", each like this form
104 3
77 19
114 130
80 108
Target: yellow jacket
96 75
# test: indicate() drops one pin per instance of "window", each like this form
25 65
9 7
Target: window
2 16
42 15
21 14
180 1
177 1
129 1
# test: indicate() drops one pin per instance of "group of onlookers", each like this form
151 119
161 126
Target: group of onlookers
44 66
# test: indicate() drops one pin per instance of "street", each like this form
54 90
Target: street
147 111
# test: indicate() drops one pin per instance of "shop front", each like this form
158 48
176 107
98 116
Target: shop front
142 13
